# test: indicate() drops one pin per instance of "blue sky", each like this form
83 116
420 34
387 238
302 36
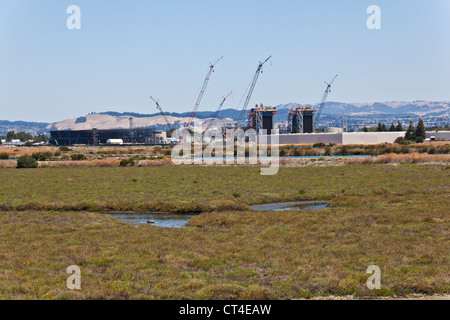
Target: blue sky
129 50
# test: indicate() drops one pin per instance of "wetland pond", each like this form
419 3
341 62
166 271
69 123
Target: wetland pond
180 220
155 219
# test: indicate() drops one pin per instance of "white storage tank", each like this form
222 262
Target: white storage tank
114 141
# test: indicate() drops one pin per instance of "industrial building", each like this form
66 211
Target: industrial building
302 122
438 136
301 119
158 137
97 137
261 118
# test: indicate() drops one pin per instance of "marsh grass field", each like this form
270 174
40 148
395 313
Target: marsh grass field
395 217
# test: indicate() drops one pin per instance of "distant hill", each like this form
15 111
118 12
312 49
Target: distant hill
34 128
365 113
379 110
418 108
226 113
116 120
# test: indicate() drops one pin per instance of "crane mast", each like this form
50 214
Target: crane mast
252 87
217 111
202 91
161 111
324 99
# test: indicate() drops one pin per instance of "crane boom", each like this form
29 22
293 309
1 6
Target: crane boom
161 111
324 99
252 87
217 111
202 91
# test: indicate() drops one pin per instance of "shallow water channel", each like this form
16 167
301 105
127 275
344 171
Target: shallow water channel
155 219
180 220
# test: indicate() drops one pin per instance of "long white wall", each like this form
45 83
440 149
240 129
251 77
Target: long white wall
339 138
370 137
308 138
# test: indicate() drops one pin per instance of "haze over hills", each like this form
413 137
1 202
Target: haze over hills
116 120
366 113
34 128
417 108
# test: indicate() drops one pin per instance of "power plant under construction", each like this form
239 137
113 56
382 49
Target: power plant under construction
301 120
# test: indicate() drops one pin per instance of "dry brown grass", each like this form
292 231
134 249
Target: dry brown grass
8 164
16 152
153 163
90 163
104 163
283 162
393 158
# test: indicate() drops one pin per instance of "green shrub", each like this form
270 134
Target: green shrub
57 153
40 157
127 162
343 151
319 145
167 152
4 156
27 162
64 148
401 141
78 157
124 163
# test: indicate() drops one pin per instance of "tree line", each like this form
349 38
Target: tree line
25 136
383 128
413 134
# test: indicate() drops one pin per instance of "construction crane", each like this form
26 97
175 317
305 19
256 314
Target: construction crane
161 111
217 112
252 87
202 91
324 99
